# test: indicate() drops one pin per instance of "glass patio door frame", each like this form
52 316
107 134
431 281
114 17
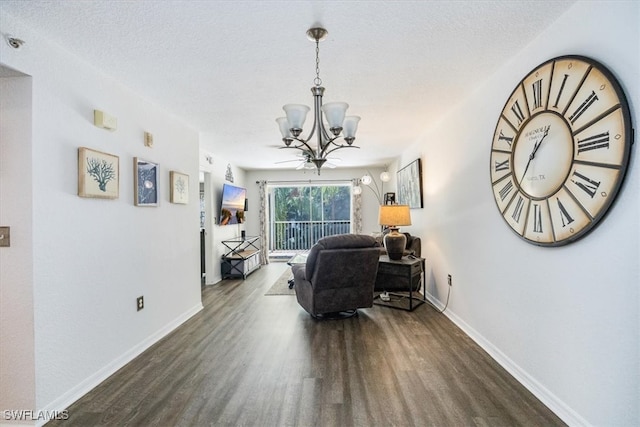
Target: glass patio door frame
309 238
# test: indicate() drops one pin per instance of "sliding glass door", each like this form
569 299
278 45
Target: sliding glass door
302 214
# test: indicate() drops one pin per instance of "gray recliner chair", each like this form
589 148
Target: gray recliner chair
338 277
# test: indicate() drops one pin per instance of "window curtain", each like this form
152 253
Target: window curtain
356 203
264 222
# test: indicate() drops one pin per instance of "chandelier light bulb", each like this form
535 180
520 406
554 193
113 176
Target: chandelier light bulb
366 179
385 177
357 190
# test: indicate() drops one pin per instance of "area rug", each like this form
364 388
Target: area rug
281 286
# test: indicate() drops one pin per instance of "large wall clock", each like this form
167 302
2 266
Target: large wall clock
560 150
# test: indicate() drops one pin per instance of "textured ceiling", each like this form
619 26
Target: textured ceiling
227 67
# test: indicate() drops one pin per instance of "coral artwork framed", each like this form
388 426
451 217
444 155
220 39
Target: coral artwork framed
98 174
145 185
410 185
179 187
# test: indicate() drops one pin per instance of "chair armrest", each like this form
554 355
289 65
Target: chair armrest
299 271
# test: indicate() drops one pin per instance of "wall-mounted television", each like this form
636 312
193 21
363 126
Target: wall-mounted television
232 205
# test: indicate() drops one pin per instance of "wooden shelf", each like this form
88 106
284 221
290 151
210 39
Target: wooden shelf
247 253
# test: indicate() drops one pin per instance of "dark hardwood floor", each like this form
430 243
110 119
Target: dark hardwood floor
254 360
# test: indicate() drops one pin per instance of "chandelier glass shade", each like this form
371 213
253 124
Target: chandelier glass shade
332 128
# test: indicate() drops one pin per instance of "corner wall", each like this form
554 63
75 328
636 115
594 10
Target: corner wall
93 257
215 233
565 321
17 350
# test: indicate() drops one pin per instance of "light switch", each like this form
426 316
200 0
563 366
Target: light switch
104 120
5 236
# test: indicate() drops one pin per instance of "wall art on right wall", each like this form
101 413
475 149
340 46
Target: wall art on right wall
410 185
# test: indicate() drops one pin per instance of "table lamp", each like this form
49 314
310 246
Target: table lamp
392 216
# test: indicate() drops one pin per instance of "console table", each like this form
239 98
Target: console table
241 258
405 275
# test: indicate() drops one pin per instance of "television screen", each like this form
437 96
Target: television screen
232 207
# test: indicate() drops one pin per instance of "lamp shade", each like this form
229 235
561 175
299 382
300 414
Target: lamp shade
296 115
394 215
283 123
334 113
350 126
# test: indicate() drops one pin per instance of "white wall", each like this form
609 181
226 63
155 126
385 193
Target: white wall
91 257
17 358
566 320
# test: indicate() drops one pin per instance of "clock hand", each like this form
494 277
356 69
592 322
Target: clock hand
533 153
535 149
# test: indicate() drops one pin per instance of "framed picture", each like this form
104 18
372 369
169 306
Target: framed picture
389 198
410 185
179 187
145 182
98 174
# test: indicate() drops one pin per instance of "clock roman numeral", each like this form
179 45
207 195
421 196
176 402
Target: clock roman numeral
583 107
500 166
517 211
515 108
564 80
537 218
588 185
504 192
594 142
508 139
537 94
564 215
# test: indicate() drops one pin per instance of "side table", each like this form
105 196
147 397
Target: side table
300 258
407 270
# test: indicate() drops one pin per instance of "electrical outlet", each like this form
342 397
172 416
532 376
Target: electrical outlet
449 280
140 303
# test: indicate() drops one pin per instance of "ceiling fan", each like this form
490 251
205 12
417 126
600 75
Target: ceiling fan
305 162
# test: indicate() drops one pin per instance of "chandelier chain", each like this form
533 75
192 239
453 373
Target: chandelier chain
336 126
317 81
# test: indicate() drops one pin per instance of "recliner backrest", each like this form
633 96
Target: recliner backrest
345 268
340 241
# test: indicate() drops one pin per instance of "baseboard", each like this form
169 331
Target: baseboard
94 380
550 400
214 282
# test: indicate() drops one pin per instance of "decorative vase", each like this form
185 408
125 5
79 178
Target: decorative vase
395 243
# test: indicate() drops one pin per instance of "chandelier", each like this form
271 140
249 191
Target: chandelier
333 112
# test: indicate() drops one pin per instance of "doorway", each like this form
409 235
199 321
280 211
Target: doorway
207 229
